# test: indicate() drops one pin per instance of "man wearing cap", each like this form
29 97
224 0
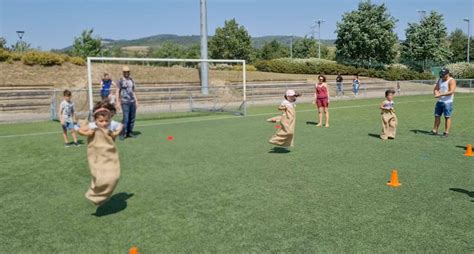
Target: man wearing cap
125 93
444 91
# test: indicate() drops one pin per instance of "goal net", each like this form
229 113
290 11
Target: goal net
174 85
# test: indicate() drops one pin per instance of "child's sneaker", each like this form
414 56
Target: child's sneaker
445 135
77 144
67 145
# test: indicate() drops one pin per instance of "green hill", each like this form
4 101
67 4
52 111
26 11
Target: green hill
156 41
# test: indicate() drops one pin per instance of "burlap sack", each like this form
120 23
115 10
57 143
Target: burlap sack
285 135
104 166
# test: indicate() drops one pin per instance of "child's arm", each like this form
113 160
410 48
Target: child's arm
84 129
382 105
60 114
282 107
74 120
117 131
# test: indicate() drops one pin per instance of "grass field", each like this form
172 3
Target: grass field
220 187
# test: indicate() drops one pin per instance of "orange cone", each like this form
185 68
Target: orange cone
133 250
469 150
394 179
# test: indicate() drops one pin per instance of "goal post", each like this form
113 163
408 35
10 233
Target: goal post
223 92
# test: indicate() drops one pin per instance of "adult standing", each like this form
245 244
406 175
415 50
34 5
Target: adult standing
444 91
321 97
339 84
128 102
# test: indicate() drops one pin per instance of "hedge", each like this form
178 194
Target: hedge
462 70
322 66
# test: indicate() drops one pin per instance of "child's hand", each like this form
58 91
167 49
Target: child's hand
83 125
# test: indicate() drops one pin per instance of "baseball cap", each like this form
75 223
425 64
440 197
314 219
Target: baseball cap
444 71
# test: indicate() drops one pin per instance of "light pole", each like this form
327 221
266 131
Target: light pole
422 13
468 37
204 65
20 36
319 22
291 46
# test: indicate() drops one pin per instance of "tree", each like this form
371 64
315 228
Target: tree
3 43
169 50
458 46
21 46
273 49
85 45
305 48
366 37
231 42
426 43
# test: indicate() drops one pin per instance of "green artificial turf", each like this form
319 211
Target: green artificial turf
220 187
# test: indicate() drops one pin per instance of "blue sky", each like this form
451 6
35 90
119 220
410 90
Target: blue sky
54 23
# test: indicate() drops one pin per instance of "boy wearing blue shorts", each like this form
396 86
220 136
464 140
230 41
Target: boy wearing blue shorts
444 91
67 117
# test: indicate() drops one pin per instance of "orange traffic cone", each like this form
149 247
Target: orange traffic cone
394 179
469 150
133 250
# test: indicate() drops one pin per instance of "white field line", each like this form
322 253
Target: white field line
221 118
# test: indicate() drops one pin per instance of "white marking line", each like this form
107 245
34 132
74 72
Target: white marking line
220 118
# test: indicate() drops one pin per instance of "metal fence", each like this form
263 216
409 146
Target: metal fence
26 105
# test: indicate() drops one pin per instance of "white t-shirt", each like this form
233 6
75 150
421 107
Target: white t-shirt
288 104
67 110
388 104
113 125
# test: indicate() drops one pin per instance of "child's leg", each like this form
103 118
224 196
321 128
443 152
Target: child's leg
385 127
65 133
393 127
65 136
74 136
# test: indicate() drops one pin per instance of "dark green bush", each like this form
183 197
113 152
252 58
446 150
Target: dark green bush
321 66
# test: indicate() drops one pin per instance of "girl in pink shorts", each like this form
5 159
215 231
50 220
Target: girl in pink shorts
321 97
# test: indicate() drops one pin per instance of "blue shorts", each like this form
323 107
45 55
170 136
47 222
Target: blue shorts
443 108
68 126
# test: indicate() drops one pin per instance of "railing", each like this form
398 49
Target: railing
21 104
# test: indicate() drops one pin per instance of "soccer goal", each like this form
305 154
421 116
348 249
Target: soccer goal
174 85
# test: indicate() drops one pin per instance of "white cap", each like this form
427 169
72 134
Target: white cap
290 92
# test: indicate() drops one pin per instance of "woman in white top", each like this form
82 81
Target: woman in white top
444 91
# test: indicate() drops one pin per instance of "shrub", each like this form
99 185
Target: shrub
248 67
317 66
16 56
4 55
42 58
462 70
77 61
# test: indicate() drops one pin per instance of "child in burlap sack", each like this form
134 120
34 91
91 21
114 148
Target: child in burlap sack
285 135
389 119
102 153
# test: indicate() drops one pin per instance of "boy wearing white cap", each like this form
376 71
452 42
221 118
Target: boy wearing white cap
285 135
